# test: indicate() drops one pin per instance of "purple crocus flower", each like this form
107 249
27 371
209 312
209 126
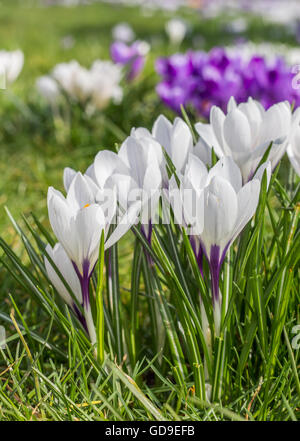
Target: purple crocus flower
200 80
132 56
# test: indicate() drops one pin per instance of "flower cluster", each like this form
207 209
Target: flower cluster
200 80
95 86
213 203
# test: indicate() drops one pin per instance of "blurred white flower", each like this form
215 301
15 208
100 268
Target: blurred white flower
73 79
238 25
123 32
268 50
176 30
94 87
67 42
105 78
11 64
48 88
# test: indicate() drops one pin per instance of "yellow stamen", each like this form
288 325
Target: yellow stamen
86 205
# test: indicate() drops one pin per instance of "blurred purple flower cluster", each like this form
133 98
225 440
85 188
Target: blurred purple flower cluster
132 56
200 80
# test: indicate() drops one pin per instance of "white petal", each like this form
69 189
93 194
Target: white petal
135 157
195 173
181 143
152 178
124 185
231 104
276 124
60 217
260 172
217 119
208 137
254 116
237 132
203 152
248 198
87 227
80 193
193 208
162 132
67 271
128 219
69 175
220 213
227 169
105 164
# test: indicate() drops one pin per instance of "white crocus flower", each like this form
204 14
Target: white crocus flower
48 88
123 32
177 141
105 164
293 150
138 178
94 87
11 64
73 79
176 30
246 132
215 208
79 219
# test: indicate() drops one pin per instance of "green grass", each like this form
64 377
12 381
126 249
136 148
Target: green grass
48 370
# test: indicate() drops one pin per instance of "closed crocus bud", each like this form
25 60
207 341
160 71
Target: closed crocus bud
247 131
11 63
176 30
48 88
293 150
